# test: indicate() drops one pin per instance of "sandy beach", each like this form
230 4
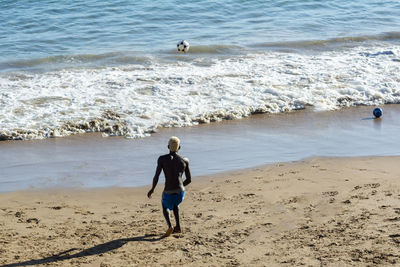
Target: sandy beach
315 212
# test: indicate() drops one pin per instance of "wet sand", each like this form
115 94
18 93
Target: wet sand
88 161
315 212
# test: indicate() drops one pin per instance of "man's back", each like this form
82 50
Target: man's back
173 166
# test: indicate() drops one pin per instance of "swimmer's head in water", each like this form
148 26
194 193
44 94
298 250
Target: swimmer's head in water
174 144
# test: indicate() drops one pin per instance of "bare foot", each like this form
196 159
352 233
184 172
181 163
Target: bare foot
169 231
177 230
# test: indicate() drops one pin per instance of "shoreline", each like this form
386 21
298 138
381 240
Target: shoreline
329 211
200 179
90 160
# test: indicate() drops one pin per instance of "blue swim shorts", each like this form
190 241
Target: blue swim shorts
170 201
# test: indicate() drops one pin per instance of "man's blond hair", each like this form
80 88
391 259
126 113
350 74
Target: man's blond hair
174 144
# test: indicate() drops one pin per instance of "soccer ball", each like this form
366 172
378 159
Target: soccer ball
377 112
183 46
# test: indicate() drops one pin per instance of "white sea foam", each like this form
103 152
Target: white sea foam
134 101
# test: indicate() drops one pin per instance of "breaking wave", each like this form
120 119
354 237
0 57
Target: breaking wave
135 99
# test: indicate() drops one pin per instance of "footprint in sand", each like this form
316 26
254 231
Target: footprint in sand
249 212
141 206
209 217
388 193
249 195
330 193
32 220
395 238
373 185
84 212
19 214
266 224
394 219
292 200
218 199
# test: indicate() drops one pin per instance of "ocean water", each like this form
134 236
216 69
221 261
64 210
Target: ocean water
70 67
90 160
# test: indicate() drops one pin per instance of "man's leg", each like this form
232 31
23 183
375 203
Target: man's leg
167 218
177 228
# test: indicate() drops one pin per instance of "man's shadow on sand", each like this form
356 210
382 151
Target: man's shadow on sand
99 249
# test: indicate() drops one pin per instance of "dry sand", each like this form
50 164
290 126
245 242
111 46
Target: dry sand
320 211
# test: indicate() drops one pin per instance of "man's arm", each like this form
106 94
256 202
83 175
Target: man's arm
155 180
188 176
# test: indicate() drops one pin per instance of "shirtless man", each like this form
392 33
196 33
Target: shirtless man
173 166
